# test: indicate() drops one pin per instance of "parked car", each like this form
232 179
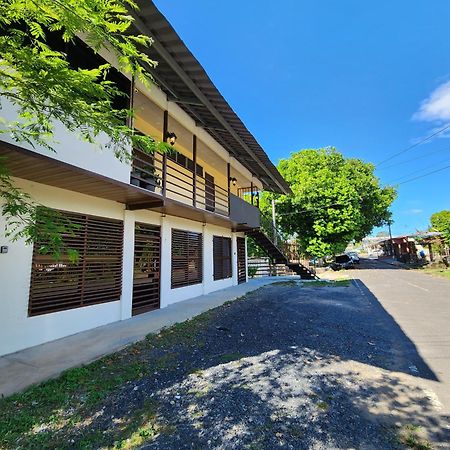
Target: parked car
342 262
354 256
375 254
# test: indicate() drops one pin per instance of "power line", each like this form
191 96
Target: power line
424 175
417 171
414 159
414 145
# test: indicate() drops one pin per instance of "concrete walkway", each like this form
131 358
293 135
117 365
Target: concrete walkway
36 364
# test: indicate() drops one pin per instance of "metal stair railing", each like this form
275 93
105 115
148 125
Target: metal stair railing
288 249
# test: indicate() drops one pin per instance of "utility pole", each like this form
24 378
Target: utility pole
391 244
274 223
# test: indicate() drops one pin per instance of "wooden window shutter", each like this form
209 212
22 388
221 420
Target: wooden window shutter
95 278
221 257
187 258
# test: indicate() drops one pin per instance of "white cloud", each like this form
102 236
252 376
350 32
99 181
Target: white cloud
435 108
414 211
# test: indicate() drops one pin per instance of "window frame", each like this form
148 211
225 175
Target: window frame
222 258
186 251
95 278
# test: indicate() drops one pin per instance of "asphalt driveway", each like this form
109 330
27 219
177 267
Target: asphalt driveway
299 366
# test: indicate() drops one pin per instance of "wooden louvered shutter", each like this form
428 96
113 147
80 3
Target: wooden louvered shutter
187 258
146 276
221 257
96 277
241 260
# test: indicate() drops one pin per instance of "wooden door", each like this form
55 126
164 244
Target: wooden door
146 277
241 260
210 193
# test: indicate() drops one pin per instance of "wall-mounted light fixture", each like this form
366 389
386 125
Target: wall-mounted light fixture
233 181
171 137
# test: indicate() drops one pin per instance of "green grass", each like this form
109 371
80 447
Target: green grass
51 414
409 437
443 273
319 283
291 283
228 357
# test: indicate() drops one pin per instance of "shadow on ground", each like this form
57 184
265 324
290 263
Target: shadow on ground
286 367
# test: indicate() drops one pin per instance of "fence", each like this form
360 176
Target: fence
262 267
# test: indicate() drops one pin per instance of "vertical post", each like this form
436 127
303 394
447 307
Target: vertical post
274 223
194 175
228 190
251 189
126 300
130 120
391 244
164 166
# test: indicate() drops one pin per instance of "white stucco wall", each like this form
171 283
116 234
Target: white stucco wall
71 149
18 331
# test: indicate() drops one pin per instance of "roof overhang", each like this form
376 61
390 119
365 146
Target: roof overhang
186 83
33 166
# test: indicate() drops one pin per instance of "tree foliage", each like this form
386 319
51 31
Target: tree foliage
45 89
440 221
335 200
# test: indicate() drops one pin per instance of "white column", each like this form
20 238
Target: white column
234 270
127 265
207 260
166 261
246 259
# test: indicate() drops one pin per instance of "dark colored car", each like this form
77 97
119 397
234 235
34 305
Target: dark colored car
342 262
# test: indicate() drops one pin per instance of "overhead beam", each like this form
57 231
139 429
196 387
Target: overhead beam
140 25
145 205
186 101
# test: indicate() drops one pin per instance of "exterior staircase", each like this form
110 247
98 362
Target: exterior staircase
280 252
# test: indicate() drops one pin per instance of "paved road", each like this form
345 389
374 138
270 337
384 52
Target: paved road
420 305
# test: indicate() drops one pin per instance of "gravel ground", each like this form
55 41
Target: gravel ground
289 366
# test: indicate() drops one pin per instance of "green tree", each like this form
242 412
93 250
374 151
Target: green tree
45 89
440 221
335 200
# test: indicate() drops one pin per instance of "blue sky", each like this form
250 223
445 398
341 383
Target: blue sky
370 78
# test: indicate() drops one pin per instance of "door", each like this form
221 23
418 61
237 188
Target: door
210 194
146 276
241 260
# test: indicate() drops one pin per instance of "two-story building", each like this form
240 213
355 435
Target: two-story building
159 230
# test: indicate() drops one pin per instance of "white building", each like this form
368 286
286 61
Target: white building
161 230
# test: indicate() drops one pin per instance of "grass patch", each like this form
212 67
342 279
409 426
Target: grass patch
228 357
438 272
291 283
67 411
409 436
323 406
319 283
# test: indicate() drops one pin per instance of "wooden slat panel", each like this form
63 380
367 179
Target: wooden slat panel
95 278
221 257
146 281
241 257
187 258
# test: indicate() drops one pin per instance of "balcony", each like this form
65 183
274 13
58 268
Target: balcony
174 176
189 191
245 214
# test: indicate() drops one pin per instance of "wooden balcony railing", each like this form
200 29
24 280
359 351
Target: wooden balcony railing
160 174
